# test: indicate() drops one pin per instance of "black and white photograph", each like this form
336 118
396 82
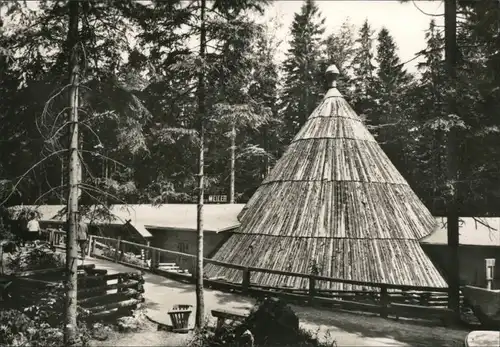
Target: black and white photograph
250 173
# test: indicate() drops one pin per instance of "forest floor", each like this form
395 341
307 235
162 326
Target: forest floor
346 328
149 335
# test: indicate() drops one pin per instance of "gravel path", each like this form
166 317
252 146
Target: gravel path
347 329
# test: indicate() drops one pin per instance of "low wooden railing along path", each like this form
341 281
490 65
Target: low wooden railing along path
384 299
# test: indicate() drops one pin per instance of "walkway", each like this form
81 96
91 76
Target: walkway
348 329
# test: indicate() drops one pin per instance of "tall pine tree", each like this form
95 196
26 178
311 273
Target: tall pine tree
479 99
303 86
389 113
390 73
363 70
264 89
40 62
340 49
428 153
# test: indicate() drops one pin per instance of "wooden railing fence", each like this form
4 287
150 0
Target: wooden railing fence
381 298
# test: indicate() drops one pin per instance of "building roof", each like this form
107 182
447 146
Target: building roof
334 199
478 231
45 211
217 217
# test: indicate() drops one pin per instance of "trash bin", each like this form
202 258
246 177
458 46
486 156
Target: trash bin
179 315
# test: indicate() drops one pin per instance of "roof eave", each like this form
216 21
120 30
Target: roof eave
154 227
461 245
163 228
215 231
229 228
142 234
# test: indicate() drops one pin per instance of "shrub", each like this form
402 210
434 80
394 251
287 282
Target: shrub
17 329
133 323
36 318
271 323
44 306
100 332
129 258
41 256
5 228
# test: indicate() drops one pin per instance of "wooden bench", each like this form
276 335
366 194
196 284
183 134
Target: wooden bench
404 310
222 316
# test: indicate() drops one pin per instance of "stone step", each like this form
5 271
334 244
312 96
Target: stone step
167 264
169 268
172 270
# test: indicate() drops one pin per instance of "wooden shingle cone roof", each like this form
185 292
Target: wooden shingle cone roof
334 199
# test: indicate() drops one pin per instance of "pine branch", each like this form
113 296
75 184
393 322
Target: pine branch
427 14
103 156
48 192
14 188
94 189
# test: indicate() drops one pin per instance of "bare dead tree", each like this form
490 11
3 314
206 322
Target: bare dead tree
70 323
200 301
450 22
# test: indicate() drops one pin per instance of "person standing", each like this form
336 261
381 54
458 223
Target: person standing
82 234
33 227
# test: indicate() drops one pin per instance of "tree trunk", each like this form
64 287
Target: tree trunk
106 175
305 114
233 164
80 165
61 199
70 331
200 304
450 10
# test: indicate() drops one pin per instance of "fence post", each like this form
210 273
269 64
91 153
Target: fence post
245 284
424 299
384 301
153 259
117 249
490 272
89 246
92 246
120 281
157 259
312 288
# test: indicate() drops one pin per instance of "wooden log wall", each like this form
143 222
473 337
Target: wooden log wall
100 295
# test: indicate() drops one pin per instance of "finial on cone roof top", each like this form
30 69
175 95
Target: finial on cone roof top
331 75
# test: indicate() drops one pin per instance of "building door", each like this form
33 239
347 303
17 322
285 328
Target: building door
183 247
183 262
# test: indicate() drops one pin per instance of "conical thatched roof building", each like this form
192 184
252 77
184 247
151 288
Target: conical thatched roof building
334 199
